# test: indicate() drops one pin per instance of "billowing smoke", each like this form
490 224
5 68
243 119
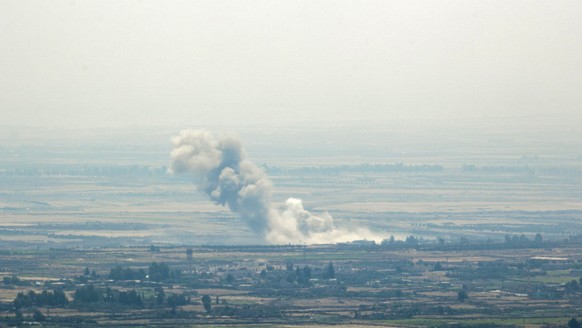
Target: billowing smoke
221 170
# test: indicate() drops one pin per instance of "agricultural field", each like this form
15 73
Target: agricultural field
356 285
456 238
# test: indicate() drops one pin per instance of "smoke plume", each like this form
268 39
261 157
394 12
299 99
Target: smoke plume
221 170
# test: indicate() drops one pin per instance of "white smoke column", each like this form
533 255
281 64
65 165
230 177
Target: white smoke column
221 170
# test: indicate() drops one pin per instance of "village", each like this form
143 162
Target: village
426 284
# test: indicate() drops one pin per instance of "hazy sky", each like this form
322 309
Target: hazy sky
118 63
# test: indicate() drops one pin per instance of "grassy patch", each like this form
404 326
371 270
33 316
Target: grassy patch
431 322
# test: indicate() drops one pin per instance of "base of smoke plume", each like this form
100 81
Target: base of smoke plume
220 168
329 237
293 224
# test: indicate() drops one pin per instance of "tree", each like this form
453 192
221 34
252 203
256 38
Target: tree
291 276
229 278
24 300
119 273
571 286
130 297
299 274
207 303
38 316
160 295
159 271
46 298
14 280
87 294
18 316
574 323
437 267
329 271
59 297
462 296
411 240
306 273
177 300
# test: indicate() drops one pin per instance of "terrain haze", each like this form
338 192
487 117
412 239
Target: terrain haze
364 109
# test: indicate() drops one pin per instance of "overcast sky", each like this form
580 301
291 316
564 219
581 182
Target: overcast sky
119 63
